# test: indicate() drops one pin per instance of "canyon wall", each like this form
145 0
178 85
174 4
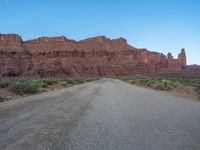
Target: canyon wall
98 56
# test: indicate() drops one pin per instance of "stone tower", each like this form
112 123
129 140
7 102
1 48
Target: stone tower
182 58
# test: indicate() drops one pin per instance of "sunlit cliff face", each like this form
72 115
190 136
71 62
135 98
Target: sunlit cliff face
98 56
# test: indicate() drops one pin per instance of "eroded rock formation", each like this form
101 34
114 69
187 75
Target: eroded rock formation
59 56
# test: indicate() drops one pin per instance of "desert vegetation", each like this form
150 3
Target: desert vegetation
165 83
22 86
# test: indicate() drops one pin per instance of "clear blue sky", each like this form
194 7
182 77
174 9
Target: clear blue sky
159 25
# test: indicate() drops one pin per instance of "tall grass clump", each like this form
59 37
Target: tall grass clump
49 81
70 80
90 79
4 83
158 85
167 84
25 86
79 80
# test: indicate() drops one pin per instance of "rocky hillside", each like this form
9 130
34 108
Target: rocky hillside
59 56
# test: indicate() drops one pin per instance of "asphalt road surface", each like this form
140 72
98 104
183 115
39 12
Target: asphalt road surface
103 115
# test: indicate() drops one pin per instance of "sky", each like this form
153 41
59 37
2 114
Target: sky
158 25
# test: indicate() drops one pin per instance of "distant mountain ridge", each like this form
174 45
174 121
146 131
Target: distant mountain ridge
98 56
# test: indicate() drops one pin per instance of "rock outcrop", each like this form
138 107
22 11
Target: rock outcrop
59 56
191 70
182 58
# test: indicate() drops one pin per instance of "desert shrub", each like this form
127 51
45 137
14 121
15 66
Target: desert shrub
142 81
151 83
158 79
167 84
49 81
96 78
25 86
125 78
90 79
158 85
63 83
69 80
3 99
176 84
79 80
132 81
4 83
44 85
191 83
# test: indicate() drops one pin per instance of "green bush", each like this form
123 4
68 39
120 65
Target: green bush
167 84
70 80
158 85
142 81
25 86
50 81
132 81
90 79
79 80
176 84
125 78
4 83
63 83
44 85
150 83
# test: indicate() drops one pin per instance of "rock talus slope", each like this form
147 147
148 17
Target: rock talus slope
59 56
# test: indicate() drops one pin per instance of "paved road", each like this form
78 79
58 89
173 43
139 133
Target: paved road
103 115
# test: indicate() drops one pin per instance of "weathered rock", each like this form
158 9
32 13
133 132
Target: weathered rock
182 58
193 70
59 56
170 57
10 38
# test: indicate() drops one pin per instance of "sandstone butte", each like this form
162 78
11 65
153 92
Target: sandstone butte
98 56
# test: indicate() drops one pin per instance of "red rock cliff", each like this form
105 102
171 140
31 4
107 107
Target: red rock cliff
182 58
59 56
